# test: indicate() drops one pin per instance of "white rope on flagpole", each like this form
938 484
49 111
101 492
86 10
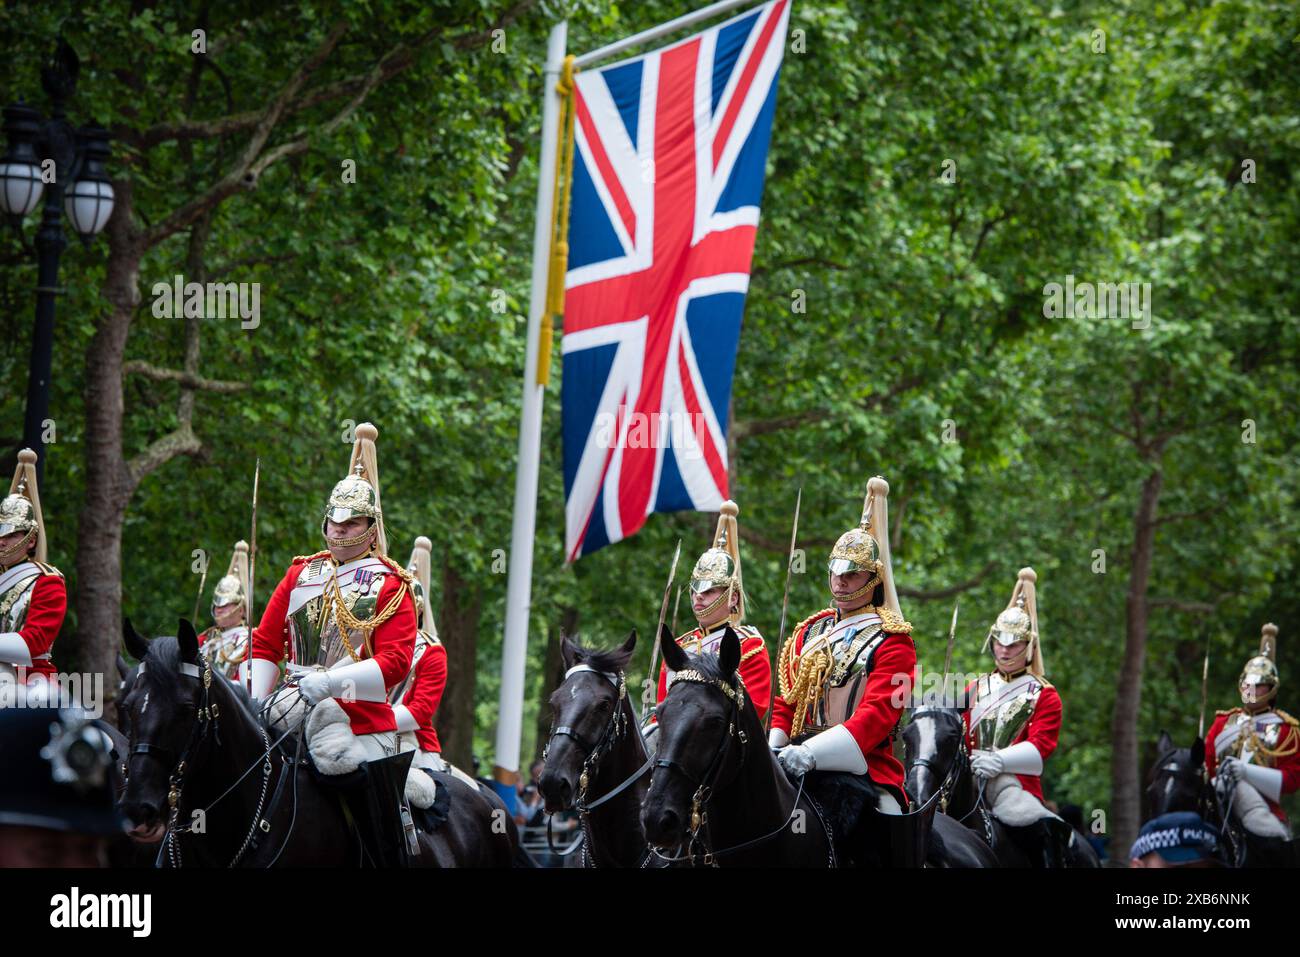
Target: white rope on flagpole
654 33
514 651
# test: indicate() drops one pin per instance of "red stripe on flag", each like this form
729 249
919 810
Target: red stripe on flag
746 80
604 166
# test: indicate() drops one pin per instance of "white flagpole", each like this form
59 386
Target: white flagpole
510 711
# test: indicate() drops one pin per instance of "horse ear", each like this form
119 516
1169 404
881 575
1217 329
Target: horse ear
1198 752
136 644
568 652
729 653
629 644
188 640
674 655
1165 744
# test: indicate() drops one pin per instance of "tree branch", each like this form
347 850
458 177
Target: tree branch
186 379
182 441
935 594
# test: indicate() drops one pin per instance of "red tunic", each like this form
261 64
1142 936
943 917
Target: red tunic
45 610
1289 765
393 644
425 693
755 667
893 666
1042 731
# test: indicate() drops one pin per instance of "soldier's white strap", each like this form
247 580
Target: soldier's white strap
14 650
609 676
405 720
853 622
983 704
17 574
835 749
1022 758
314 587
1267 781
1229 735
358 681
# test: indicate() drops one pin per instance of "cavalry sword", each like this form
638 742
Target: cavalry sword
651 678
785 604
252 568
947 658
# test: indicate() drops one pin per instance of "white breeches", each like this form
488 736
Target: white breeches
333 746
1250 808
1011 803
888 803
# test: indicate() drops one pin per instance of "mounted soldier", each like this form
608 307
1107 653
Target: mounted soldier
33 596
1252 753
345 620
718 600
846 673
415 700
225 643
1013 721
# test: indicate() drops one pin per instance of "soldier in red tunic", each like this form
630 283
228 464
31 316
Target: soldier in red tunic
1013 720
846 673
718 600
415 701
1252 753
33 598
346 618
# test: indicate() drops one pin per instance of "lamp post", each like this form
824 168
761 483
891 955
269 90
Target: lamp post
72 160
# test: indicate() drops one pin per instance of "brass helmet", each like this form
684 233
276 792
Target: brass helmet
419 566
20 511
1261 669
719 567
358 493
1019 622
233 587
866 548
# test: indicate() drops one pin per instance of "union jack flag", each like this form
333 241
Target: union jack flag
670 152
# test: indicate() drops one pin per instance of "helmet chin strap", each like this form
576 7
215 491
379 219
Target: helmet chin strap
19 552
866 589
704 615
336 543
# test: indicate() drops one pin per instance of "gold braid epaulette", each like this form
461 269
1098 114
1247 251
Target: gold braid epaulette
892 623
307 558
1287 718
809 672
47 569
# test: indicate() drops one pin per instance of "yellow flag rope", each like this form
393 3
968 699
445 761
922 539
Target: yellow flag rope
559 264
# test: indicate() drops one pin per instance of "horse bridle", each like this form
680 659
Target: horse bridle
944 792
205 721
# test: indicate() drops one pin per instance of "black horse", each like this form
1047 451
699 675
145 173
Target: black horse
1177 782
717 796
595 758
197 745
938 772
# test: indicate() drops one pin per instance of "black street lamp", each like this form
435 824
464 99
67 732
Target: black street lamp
80 188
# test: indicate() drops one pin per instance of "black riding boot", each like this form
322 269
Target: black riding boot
379 810
1053 837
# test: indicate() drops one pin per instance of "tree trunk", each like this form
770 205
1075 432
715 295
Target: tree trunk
552 675
95 643
1125 812
458 623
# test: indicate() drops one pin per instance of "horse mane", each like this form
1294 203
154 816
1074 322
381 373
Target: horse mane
164 660
601 659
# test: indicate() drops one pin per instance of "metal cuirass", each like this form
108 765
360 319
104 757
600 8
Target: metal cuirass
227 649
16 585
313 633
1002 708
851 644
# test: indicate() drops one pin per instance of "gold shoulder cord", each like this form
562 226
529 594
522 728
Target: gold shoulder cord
809 681
1285 748
344 618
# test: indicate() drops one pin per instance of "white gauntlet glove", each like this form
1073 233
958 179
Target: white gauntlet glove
986 764
797 759
314 686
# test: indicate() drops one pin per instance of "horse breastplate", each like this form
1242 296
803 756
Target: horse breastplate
16 586
423 642
1243 734
226 649
1002 709
850 643
313 632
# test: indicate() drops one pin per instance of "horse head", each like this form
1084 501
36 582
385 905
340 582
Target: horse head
1176 782
162 706
706 724
586 708
932 748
